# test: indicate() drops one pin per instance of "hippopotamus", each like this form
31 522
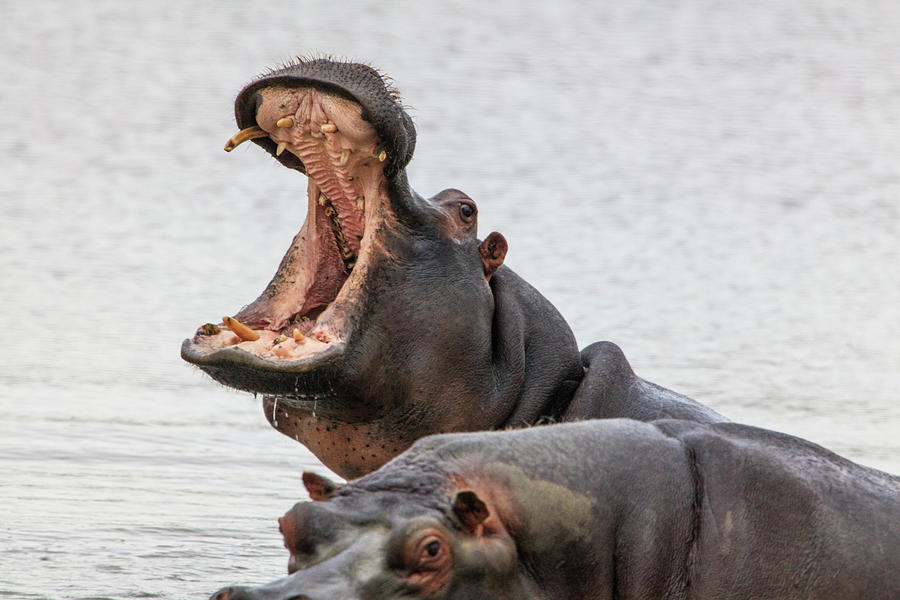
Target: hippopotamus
612 508
388 318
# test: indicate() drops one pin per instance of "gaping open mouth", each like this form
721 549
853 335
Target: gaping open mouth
303 311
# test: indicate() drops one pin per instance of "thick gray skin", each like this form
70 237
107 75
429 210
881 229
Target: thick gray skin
433 347
610 389
605 509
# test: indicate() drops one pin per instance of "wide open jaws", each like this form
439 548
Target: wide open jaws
296 315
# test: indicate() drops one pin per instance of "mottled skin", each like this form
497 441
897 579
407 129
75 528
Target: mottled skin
440 335
600 509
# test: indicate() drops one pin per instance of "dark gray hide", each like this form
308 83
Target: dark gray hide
603 509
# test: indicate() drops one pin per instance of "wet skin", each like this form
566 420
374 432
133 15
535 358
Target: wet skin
599 509
388 319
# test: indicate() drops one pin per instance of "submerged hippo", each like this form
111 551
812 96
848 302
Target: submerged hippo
599 509
388 319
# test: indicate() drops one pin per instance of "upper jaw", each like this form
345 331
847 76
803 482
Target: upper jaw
356 82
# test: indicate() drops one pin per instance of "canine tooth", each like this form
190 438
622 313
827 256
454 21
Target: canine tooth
298 337
322 199
328 128
280 148
250 133
345 156
241 330
285 122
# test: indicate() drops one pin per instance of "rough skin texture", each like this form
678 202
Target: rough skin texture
436 334
672 509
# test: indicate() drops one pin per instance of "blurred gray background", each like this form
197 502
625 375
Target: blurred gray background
715 186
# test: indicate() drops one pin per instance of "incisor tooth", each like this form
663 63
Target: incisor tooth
280 149
345 156
328 128
243 135
240 330
285 122
361 202
298 337
381 156
322 199
279 339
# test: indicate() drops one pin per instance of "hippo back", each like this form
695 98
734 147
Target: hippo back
780 517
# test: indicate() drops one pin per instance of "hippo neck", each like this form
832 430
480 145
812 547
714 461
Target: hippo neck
536 361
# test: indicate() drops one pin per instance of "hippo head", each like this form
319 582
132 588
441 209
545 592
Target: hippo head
383 322
435 540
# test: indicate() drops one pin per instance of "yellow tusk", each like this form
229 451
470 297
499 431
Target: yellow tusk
345 156
328 128
250 133
241 330
285 122
280 149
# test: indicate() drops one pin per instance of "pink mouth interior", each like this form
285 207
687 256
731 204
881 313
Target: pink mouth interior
344 161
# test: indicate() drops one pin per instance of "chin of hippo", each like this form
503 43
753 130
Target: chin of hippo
388 319
599 509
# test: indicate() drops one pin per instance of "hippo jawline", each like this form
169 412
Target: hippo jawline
303 318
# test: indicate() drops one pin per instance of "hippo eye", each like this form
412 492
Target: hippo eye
466 212
428 562
430 552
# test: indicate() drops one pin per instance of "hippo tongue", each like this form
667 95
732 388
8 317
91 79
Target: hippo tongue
308 278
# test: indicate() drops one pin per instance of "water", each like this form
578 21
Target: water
715 187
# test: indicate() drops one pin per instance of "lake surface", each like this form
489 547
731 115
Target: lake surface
714 186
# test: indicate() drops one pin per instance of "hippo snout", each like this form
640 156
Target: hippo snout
243 593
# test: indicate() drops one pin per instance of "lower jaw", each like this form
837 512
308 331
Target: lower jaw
239 369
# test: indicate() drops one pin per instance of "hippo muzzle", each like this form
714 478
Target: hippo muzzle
342 126
288 588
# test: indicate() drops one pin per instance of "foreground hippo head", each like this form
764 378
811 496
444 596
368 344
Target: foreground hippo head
598 509
381 544
387 319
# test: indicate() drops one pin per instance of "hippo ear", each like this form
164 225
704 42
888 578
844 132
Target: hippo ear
493 251
471 510
318 487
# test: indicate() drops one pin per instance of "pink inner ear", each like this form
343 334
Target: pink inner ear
493 252
317 487
470 509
